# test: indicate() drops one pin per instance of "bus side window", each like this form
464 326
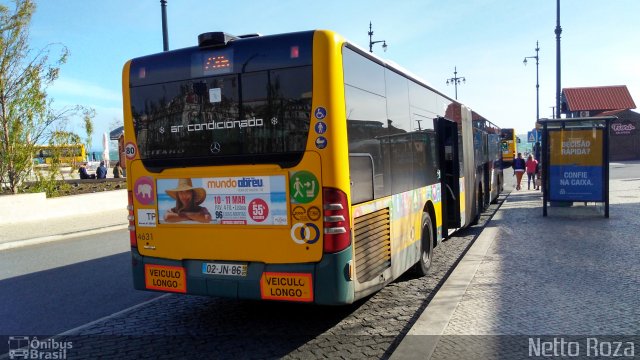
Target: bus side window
361 172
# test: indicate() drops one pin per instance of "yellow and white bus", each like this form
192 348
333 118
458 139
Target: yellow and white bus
69 154
509 146
292 167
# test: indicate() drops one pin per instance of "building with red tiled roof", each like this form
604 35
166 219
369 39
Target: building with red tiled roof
592 101
624 133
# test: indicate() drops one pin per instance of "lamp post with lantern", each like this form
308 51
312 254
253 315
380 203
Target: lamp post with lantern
371 42
455 80
536 146
537 79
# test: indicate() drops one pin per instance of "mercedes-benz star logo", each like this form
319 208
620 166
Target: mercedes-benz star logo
215 147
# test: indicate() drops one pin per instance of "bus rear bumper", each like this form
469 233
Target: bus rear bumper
326 282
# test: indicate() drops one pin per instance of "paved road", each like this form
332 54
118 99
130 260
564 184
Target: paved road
54 287
90 287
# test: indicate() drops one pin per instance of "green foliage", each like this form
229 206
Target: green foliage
87 116
58 138
27 117
61 137
48 183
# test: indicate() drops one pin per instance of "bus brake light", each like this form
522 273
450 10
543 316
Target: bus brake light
295 52
337 230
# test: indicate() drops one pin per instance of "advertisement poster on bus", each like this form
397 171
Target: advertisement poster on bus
575 166
251 200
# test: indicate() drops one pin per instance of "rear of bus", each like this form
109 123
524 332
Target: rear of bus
233 124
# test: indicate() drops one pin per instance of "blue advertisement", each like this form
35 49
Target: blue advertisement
576 183
575 167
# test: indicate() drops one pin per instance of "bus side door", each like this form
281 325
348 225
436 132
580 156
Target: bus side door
448 152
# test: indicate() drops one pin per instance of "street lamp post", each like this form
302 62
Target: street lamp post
455 80
165 36
537 79
371 42
558 31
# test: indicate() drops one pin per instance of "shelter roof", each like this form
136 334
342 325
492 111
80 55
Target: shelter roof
115 133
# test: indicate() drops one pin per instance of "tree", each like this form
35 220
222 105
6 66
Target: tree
48 181
87 117
27 116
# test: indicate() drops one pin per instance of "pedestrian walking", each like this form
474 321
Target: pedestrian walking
531 166
519 167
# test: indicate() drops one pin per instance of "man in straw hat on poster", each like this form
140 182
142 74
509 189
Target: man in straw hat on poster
188 200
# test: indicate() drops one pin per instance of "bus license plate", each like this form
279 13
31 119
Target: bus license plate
224 269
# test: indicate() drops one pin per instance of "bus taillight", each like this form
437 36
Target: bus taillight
337 230
132 221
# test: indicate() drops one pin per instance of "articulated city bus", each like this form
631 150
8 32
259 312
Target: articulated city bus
488 159
293 167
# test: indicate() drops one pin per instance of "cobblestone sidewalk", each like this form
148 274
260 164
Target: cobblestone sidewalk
573 272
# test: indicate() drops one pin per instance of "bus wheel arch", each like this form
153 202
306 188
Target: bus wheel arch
431 211
426 243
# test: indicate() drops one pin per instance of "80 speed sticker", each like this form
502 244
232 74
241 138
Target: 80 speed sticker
130 150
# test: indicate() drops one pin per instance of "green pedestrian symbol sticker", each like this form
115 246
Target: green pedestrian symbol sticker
303 187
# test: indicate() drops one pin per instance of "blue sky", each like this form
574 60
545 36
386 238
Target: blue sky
485 39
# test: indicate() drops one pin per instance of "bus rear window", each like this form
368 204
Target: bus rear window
236 118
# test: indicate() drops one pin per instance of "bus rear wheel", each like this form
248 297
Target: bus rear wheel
426 246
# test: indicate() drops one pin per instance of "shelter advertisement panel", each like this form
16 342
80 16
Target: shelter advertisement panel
576 165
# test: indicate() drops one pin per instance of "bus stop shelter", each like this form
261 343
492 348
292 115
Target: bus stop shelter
575 161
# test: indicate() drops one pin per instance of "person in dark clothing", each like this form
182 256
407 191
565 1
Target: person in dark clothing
519 167
532 170
101 171
83 172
